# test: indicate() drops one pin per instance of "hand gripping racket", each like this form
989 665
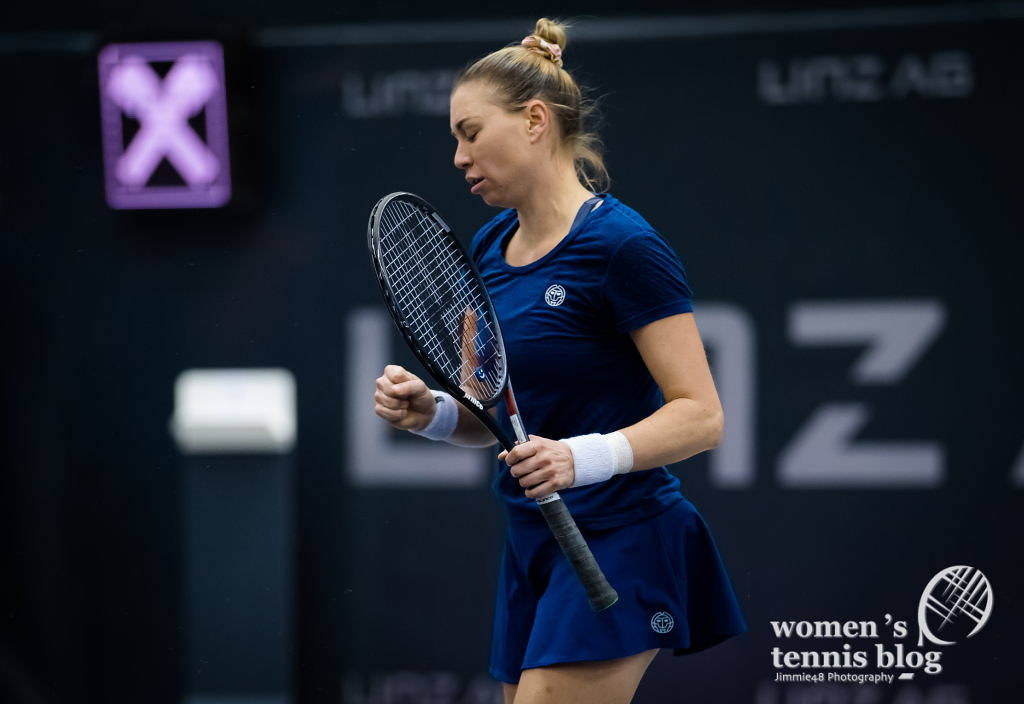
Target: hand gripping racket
439 303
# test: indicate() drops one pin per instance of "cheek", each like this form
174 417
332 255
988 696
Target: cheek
506 157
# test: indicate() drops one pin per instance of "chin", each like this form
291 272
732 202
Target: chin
496 200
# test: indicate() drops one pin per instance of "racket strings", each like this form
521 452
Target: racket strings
440 299
467 368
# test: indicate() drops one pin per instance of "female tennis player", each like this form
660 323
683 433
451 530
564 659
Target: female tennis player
611 374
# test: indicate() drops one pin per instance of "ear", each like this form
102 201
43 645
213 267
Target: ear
538 119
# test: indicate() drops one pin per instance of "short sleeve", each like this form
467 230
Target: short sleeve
645 282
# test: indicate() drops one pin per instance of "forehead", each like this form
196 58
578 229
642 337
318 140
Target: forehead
473 99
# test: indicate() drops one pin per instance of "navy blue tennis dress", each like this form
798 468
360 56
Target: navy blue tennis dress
565 319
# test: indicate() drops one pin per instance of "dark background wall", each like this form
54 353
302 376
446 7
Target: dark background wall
836 183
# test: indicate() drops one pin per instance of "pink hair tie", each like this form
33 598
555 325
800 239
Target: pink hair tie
554 51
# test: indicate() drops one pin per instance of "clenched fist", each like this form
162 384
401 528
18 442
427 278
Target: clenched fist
403 400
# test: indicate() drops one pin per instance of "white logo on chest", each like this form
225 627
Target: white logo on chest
554 295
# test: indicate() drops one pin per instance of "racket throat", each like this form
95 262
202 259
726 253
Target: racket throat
513 414
517 426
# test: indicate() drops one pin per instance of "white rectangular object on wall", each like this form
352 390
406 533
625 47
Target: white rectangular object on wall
234 411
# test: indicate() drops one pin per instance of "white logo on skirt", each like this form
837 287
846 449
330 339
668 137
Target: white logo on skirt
662 622
555 295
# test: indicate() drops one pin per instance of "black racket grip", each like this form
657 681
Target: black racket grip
599 592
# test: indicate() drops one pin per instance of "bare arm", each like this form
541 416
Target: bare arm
470 432
691 420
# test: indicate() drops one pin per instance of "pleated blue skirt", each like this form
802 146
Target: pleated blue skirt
674 592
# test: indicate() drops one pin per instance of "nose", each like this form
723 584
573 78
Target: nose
462 160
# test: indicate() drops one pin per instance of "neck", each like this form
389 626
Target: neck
550 207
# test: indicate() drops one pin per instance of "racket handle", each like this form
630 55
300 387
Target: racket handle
599 592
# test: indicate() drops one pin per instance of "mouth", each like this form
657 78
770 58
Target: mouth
474 183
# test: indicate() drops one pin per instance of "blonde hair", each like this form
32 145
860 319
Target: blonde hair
532 69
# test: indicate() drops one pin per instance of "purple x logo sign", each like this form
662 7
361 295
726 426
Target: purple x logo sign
163 108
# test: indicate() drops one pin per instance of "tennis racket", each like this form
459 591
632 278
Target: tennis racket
439 303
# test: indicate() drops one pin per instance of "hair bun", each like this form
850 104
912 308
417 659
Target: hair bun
551 31
548 39
548 49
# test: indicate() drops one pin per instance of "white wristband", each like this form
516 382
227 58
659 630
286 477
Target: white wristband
446 417
597 457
